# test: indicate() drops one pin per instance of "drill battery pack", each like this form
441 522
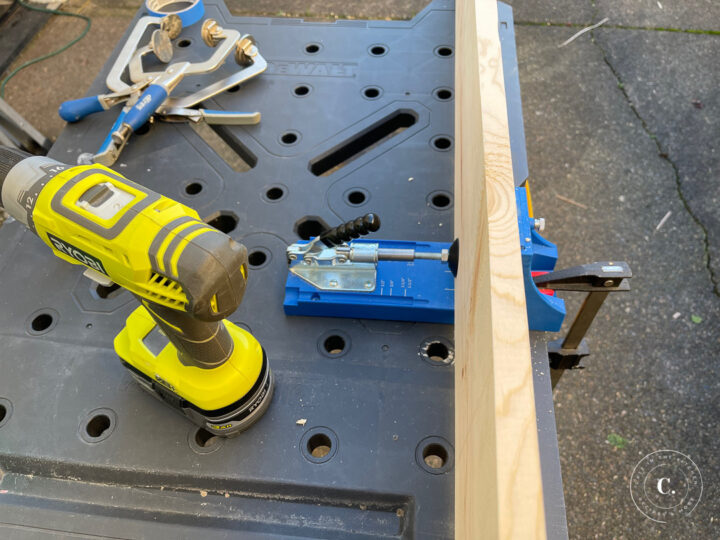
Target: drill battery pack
225 400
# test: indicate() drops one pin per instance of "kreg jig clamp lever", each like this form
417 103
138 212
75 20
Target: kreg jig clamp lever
188 277
150 92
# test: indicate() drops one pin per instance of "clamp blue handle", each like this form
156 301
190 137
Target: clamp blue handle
118 123
76 109
148 102
138 114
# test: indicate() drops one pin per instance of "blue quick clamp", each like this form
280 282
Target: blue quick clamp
189 15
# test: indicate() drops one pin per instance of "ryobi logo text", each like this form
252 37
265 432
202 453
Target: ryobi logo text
77 254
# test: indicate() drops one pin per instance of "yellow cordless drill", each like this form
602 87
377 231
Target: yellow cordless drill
187 275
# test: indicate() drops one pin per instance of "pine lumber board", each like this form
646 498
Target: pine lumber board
498 486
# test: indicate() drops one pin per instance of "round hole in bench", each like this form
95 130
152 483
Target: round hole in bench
274 193
301 90
97 425
223 221
41 322
438 351
334 344
443 94
309 227
442 143
441 200
435 456
289 137
193 188
319 445
257 258
205 439
371 92
356 197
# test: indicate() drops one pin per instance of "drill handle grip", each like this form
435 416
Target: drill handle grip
350 230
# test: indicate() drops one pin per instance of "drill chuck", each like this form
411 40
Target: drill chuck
9 157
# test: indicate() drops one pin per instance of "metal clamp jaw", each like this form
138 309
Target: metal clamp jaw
337 268
333 262
329 263
598 280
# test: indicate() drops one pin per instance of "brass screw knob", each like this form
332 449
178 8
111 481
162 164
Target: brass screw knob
246 50
211 32
172 25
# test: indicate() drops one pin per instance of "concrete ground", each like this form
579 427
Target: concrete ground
623 127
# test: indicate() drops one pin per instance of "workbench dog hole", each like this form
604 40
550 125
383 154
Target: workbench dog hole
437 352
434 455
441 143
334 345
98 425
258 258
444 51
289 138
223 221
204 438
378 50
204 441
319 444
440 200
41 321
301 90
5 411
274 193
372 92
309 227
356 197
193 188
443 94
